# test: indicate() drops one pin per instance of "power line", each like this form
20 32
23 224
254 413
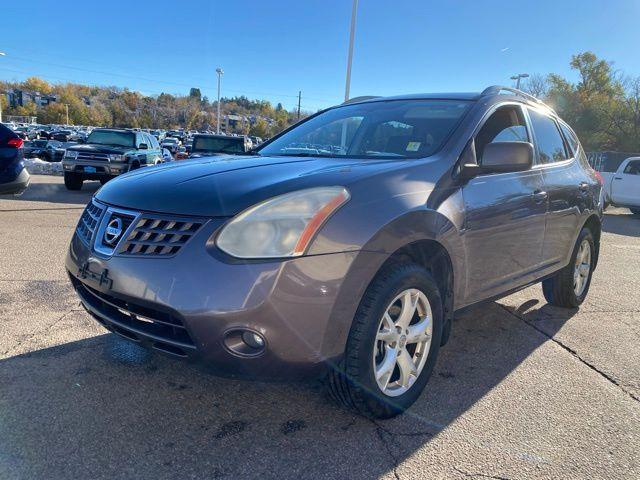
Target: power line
159 81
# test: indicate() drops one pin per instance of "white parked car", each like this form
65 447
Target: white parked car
622 188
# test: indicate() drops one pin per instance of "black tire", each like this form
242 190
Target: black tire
73 181
353 383
559 289
635 211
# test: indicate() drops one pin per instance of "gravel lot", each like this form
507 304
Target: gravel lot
522 390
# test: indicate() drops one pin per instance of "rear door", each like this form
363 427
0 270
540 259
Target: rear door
566 184
625 186
504 215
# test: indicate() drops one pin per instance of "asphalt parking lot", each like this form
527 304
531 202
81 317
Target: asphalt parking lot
522 390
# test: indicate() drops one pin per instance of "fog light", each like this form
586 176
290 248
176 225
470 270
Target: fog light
245 343
253 340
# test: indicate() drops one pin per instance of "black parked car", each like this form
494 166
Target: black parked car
14 178
212 145
107 153
43 149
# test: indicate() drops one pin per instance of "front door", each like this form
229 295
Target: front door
504 216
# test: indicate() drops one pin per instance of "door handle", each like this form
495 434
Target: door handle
617 178
540 196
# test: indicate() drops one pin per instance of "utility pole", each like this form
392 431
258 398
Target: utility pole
220 73
354 11
299 99
66 106
519 77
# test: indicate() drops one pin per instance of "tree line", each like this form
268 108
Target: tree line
118 107
603 106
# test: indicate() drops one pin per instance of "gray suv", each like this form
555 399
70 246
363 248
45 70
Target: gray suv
344 246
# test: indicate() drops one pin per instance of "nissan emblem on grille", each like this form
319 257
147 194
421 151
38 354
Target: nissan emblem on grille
113 231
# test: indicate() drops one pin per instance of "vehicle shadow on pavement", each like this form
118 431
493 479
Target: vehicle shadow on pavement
622 224
105 408
55 193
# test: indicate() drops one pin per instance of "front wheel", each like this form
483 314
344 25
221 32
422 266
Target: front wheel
393 343
569 287
73 181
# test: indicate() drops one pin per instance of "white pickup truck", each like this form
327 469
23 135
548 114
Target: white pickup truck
622 188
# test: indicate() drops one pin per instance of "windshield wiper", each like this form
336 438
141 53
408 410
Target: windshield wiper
307 154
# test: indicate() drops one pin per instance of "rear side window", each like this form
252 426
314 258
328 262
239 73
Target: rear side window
548 139
632 168
506 124
571 138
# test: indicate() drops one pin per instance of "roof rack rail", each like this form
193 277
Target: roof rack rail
496 89
360 99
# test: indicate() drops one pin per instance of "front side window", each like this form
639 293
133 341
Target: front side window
632 168
108 137
506 124
385 129
549 141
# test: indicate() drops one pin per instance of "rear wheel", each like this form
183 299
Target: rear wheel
393 343
569 287
73 181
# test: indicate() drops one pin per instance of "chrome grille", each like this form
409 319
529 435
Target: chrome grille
89 221
158 236
96 157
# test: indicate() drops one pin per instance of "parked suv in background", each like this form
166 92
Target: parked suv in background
351 258
14 177
108 153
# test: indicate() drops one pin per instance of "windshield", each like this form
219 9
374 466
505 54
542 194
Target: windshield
108 137
392 129
219 144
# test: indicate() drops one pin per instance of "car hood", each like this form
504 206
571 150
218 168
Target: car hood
95 148
224 186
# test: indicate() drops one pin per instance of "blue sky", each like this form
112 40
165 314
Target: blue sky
272 49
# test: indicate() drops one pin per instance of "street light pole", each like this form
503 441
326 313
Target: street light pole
354 11
220 73
519 77
2 54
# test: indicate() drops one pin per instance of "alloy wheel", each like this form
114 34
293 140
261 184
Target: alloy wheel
582 268
402 342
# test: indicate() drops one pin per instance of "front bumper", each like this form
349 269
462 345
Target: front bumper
183 305
102 168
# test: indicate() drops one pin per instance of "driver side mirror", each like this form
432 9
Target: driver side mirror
499 157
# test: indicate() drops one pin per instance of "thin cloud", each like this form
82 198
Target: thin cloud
504 49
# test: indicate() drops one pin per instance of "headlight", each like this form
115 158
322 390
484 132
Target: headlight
282 226
116 158
71 154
